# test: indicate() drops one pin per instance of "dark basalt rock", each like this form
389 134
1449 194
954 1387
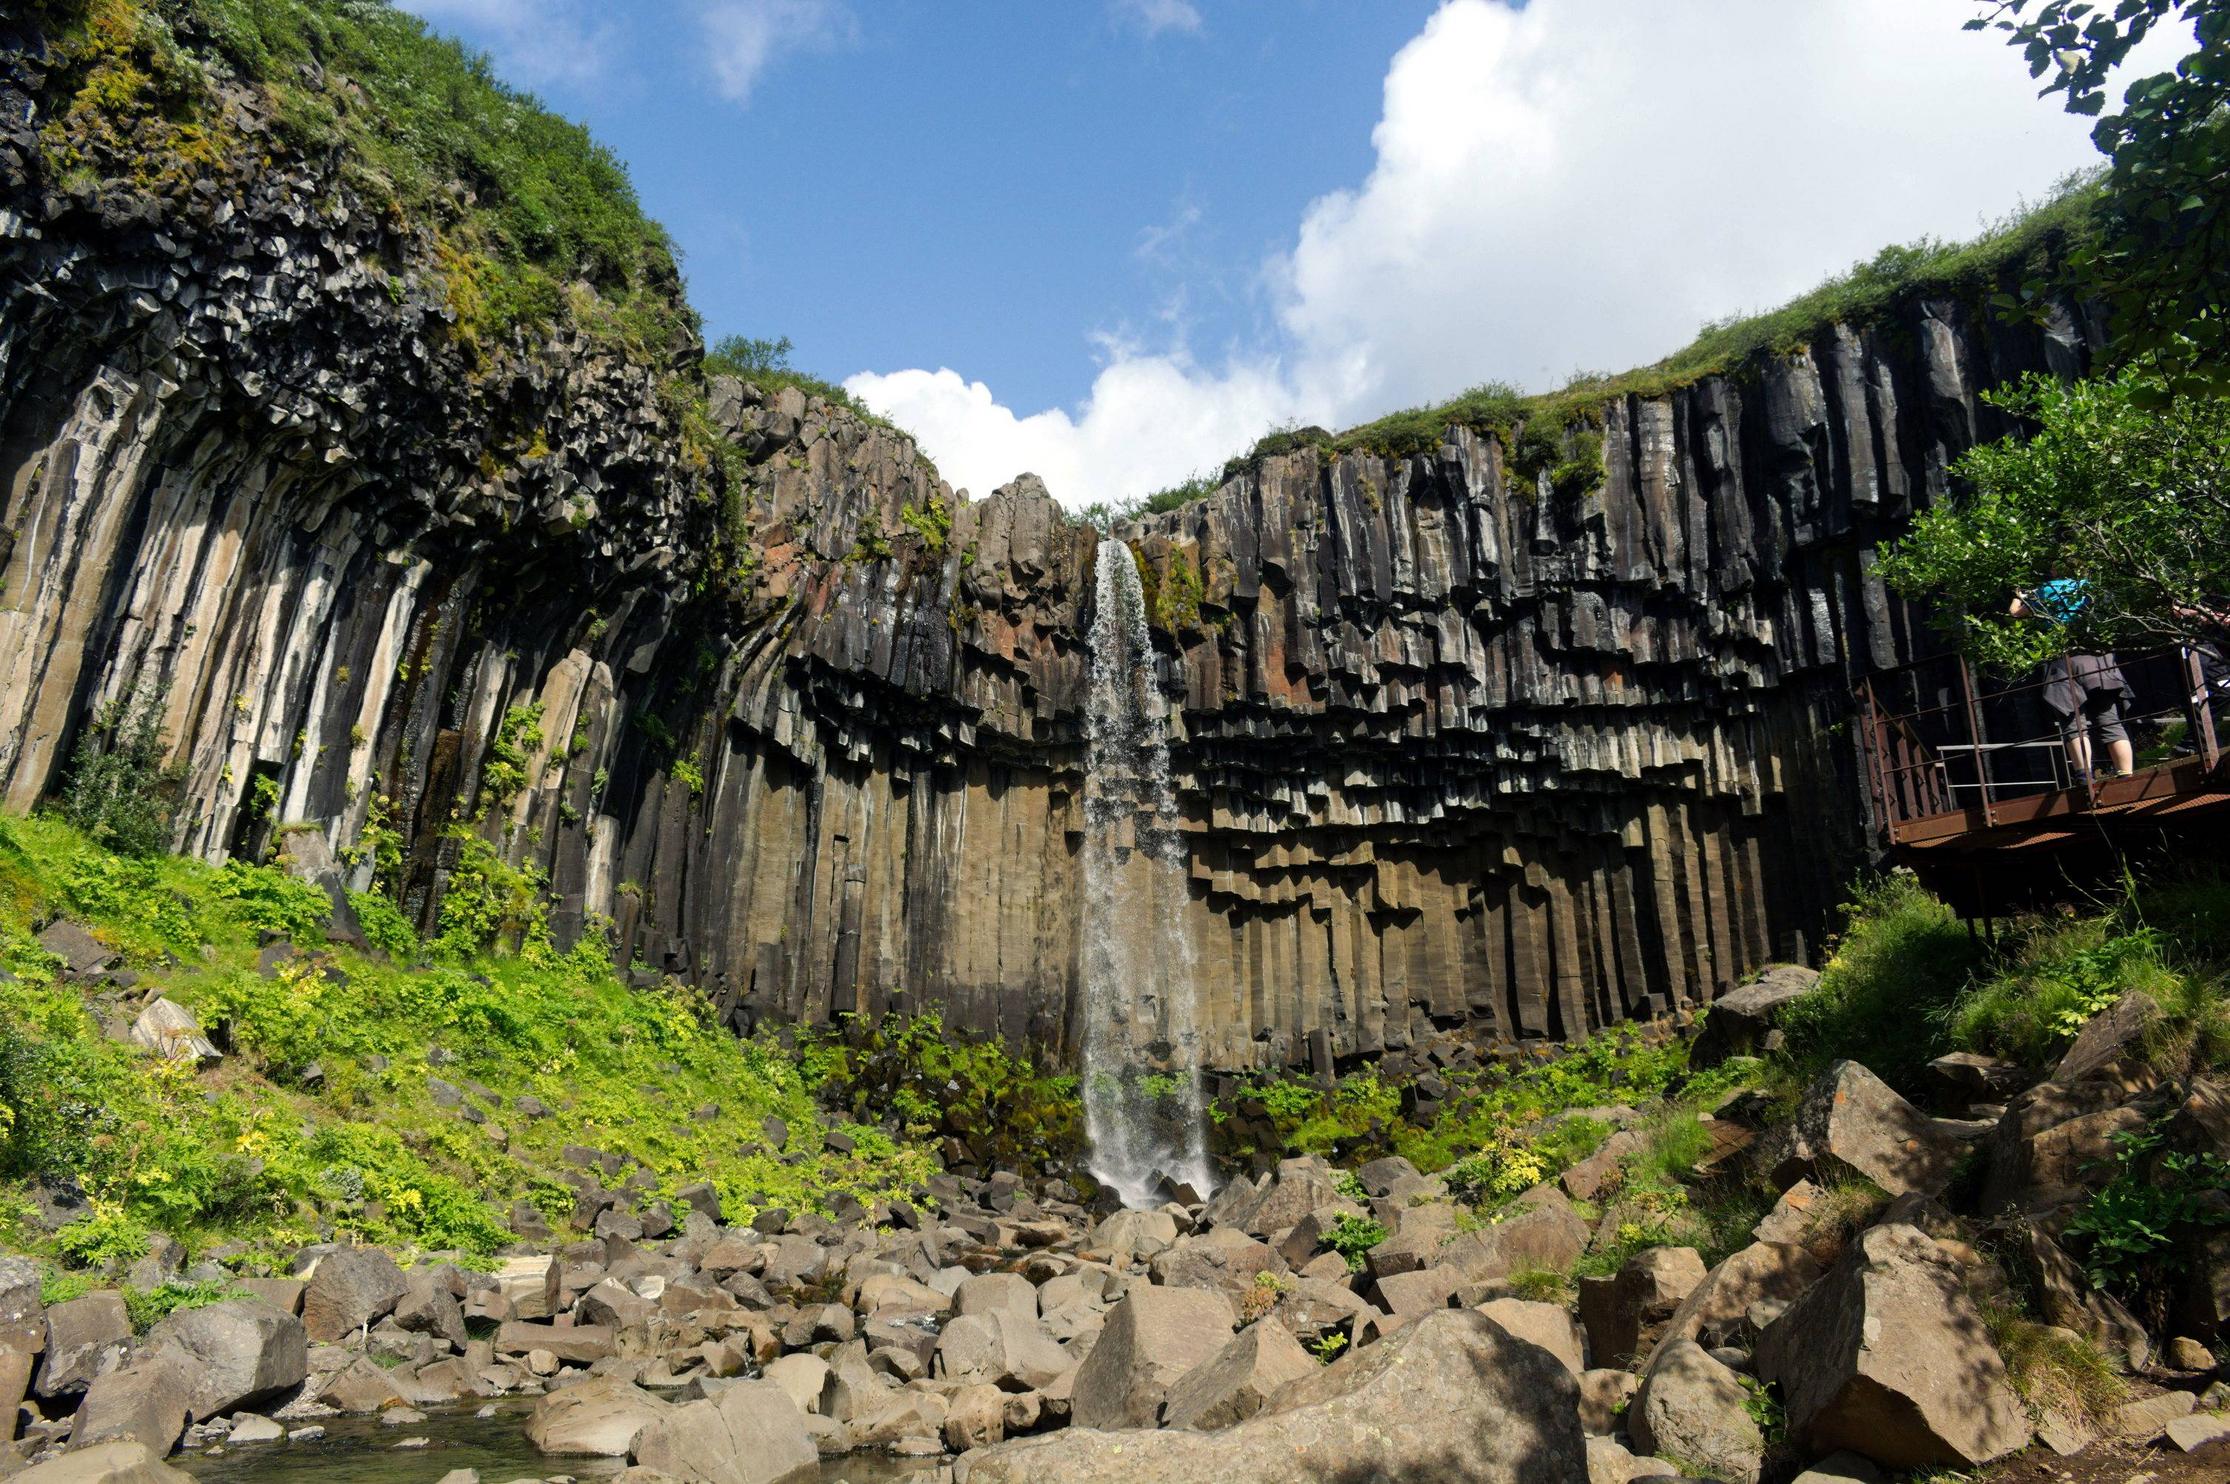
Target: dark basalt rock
1455 752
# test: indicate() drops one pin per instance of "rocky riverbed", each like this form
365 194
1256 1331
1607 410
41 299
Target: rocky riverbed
1000 1331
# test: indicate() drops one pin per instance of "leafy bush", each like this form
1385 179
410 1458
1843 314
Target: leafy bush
149 1307
975 1088
2137 1234
268 900
1351 1236
122 792
1502 1169
385 927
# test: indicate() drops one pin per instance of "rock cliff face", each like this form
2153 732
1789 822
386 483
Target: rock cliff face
1455 749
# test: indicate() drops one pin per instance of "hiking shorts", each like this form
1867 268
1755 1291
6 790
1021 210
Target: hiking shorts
2086 692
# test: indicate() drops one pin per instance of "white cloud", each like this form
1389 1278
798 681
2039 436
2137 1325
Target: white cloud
1156 16
743 36
535 42
1577 184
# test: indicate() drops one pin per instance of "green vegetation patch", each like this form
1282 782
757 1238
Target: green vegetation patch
343 1104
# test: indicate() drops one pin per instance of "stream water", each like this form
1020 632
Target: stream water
359 1450
1142 1096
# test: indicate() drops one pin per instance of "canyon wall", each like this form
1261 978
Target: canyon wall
1454 748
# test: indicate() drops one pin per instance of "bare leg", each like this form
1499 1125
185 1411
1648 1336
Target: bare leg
2123 754
2079 754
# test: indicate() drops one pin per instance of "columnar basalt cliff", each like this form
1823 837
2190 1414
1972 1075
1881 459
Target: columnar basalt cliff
1456 748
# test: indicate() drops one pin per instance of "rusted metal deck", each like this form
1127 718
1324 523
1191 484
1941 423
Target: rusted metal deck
1962 768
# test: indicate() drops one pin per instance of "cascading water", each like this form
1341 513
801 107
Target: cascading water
1142 1099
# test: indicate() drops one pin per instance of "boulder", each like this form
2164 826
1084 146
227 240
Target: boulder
1693 1408
1592 1176
1307 1235
1605 1395
72 942
238 1352
1610 1462
1851 1118
598 1417
530 1286
1235 1383
1452 1396
350 1288
2065 1297
1419 1234
168 1028
1546 1325
1127 1236
1151 1339
1768 1272
1313 1306
582 1344
144 1402
1738 1021
976 1417
22 1314
1002 1350
104 1463
428 1308
1009 1293
1224 1258
360 1386
1625 1314
802 1376
750 1433
2043 1165
1887 1356
85 1338
1299 1187
1536 1232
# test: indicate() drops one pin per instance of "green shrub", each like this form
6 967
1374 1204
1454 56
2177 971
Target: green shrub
2059 978
976 1088
385 927
149 1307
518 737
2137 1234
1351 1236
106 1237
267 900
122 791
1903 959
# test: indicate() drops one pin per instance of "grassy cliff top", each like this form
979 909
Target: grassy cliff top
532 221
2023 246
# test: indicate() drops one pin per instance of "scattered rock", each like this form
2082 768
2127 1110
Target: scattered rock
1887 1356
750 1433
598 1417
1151 1339
1693 1408
1451 1396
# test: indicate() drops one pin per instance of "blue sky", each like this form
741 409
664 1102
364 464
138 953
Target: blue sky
1112 241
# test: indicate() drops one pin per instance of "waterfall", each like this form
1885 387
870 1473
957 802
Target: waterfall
1142 1099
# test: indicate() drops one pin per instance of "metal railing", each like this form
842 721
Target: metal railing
1940 740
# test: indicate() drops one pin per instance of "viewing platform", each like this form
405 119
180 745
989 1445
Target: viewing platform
1974 788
